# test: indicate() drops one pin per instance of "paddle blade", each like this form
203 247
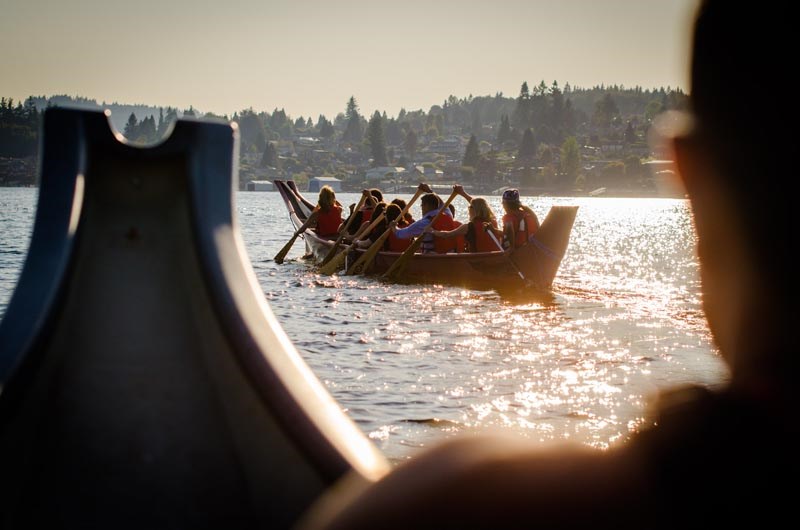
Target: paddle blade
335 263
334 248
399 266
363 263
281 255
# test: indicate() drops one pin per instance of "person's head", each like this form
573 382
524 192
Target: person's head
375 192
327 197
740 184
479 209
400 202
392 212
379 208
511 200
429 201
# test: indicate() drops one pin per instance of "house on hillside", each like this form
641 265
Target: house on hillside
315 184
260 185
384 173
451 147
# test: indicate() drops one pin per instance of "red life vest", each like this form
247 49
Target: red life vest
394 243
328 222
366 216
478 239
523 224
461 242
440 244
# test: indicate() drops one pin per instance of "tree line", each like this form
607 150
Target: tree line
536 125
19 128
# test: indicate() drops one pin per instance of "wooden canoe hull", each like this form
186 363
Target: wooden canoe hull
538 261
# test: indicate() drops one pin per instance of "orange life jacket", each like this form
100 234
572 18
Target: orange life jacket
461 242
524 225
478 239
328 222
394 243
440 244
366 216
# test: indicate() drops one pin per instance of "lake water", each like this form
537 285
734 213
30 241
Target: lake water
414 364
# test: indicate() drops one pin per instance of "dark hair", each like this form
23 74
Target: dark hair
375 192
431 200
392 212
380 227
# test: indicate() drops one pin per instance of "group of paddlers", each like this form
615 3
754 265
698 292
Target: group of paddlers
441 233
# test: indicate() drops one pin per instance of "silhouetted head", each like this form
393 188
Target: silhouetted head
735 159
429 201
511 196
375 192
379 209
511 201
392 212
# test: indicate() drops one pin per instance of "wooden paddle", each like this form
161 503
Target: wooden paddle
399 266
344 231
522 277
279 257
365 260
338 260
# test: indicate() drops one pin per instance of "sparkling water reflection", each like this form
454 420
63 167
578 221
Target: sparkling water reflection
412 364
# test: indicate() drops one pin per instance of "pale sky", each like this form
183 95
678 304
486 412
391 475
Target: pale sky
310 56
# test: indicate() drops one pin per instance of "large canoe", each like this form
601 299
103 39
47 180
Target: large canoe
538 260
144 381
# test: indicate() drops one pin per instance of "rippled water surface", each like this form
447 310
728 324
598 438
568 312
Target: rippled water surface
412 364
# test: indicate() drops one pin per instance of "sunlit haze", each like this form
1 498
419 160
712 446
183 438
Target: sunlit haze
310 56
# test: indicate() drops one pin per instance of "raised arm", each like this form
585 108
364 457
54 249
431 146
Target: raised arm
460 190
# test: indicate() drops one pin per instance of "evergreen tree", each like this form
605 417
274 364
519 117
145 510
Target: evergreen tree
527 146
472 154
160 128
410 144
504 131
556 114
394 135
476 125
570 120
604 111
570 159
131 127
630 134
270 157
170 117
146 131
353 132
326 129
251 131
521 115
377 140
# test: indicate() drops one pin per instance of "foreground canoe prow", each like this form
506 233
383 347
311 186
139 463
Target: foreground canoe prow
145 381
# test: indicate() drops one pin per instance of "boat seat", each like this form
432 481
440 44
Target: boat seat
145 381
